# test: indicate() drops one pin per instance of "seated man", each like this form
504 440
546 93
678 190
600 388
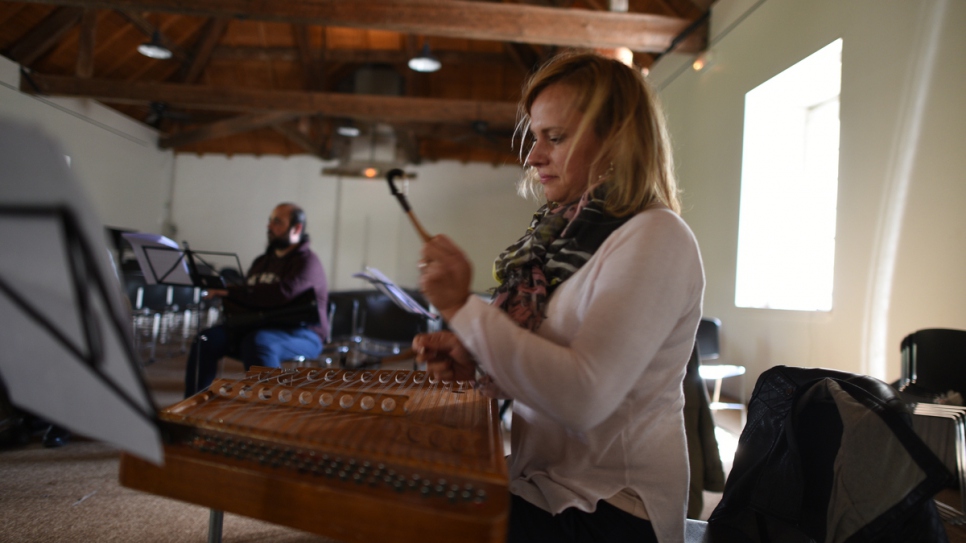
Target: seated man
287 269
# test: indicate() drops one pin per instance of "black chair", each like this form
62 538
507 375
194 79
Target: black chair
371 314
934 361
366 327
708 338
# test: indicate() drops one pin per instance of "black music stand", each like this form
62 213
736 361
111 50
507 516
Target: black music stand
163 262
68 355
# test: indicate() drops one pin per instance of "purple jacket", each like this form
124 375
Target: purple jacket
273 281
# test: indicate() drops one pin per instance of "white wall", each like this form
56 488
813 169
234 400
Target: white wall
126 176
900 238
223 203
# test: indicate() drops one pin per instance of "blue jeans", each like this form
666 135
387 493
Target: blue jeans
264 347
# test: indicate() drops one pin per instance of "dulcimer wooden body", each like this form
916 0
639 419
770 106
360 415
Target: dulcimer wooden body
360 456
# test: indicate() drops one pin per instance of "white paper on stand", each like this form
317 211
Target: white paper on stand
394 292
160 259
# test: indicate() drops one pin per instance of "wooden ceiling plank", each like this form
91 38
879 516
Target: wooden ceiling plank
85 44
351 56
524 57
668 7
228 127
211 35
45 35
363 107
464 19
260 54
9 11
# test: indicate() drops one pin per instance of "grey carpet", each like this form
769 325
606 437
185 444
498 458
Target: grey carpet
71 494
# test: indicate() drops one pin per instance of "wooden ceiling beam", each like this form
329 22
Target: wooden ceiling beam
211 35
307 58
85 44
227 127
45 35
355 106
452 18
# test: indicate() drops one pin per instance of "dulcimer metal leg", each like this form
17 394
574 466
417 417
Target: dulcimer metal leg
215 518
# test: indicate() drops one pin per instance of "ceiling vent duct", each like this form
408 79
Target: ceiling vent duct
374 149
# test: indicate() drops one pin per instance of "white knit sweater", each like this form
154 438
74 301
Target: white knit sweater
597 389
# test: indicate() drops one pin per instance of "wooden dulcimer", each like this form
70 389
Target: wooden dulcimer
367 455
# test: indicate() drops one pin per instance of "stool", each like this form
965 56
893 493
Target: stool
718 373
709 348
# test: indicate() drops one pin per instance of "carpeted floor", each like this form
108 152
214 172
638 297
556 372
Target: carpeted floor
71 494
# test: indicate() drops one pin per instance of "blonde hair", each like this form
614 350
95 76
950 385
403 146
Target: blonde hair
634 164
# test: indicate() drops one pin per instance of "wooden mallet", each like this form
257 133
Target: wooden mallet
392 174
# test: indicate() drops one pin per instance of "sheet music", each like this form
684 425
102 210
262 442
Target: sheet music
395 293
73 367
160 258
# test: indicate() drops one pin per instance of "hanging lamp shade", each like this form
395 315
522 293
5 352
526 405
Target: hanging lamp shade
425 61
154 48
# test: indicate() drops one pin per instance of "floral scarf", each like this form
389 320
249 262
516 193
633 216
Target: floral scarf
559 240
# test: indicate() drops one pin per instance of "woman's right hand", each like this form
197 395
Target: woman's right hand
445 275
445 357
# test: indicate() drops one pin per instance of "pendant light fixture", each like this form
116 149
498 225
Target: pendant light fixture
154 48
424 62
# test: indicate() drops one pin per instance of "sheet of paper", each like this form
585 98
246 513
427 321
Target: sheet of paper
160 259
73 366
394 292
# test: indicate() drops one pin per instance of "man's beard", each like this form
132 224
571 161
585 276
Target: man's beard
280 242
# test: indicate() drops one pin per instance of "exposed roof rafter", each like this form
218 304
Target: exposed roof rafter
45 35
356 106
453 18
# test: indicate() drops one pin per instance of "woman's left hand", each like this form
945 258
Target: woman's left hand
445 357
445 275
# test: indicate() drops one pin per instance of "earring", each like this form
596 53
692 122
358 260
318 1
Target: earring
607 174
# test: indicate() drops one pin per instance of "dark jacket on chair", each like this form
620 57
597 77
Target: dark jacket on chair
829 457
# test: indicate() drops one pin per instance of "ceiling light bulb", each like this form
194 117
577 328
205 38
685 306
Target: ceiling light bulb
425 61
704 60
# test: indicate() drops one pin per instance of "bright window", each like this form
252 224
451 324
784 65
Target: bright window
789 184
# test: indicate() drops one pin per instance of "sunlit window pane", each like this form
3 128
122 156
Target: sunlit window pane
789 185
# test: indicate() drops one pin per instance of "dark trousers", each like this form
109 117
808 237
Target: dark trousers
608 524
264 347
